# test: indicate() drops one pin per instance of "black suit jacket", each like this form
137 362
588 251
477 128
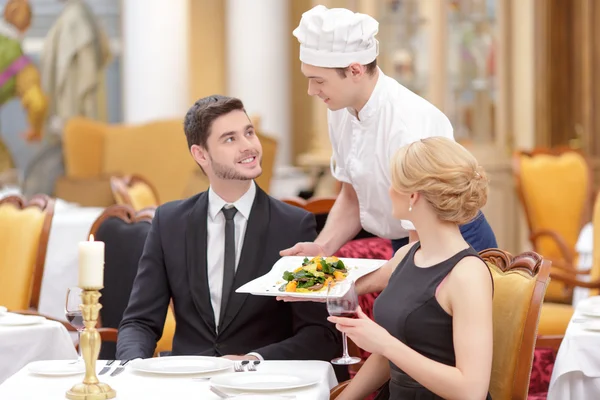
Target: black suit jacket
173 265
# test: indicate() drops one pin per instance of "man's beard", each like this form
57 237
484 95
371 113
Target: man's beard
225 172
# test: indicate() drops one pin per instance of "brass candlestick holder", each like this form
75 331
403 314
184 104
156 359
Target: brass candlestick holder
91 388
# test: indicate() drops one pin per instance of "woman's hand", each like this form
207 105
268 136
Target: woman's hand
363 331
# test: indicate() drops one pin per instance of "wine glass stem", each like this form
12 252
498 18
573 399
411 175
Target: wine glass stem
345 343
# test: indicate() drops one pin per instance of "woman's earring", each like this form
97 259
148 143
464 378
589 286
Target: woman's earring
409 208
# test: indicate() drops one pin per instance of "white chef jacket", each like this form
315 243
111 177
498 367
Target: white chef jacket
363 148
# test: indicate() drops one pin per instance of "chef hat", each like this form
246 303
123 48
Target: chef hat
336 38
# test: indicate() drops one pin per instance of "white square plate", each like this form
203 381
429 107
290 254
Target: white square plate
269 284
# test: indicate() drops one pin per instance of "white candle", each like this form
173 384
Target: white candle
91 264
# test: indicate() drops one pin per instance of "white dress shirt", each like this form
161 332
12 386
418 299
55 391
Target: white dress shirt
215 240
215 243
363 148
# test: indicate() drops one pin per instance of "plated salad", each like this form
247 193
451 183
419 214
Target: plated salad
314 275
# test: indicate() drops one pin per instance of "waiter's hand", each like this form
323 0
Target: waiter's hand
304 249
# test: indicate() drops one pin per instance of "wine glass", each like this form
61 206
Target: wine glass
74 316
344 306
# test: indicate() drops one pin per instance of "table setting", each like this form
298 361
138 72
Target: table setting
210 378
28 338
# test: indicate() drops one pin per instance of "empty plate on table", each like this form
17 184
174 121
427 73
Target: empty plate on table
590 311
593 325
10 319
56 367
181 365
256 381
261 396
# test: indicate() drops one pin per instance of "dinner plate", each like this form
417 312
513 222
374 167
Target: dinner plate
56 367
270 283
181 365
593 301
592 325
11 319
590 311
258 381
260 396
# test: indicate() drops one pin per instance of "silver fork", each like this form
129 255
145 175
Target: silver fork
252 365
239 366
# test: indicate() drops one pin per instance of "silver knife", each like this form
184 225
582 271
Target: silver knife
120 368
107 367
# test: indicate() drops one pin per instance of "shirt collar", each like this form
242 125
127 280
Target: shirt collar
243 204
374 101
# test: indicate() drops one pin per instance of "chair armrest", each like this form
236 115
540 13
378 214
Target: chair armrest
568 268
558 239
570 280
336 391
108 334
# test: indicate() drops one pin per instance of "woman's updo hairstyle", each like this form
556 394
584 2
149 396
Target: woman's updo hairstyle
445 174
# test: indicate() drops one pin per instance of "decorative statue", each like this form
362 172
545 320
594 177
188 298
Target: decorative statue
75 54
19 76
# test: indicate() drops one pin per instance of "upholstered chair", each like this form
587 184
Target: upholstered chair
554 187
134 191
124 231
24 230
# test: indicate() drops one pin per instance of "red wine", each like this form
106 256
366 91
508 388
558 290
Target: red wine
76 320
344 314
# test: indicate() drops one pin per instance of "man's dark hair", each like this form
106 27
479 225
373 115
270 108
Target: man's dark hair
200 117
371 68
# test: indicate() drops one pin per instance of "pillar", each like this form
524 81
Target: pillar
258 70
155 59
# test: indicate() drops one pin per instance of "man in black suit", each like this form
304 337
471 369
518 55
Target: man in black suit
200 250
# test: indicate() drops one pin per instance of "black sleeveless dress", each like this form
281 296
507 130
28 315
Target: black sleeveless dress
408 310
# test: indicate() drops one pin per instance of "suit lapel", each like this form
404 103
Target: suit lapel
251 256
195 245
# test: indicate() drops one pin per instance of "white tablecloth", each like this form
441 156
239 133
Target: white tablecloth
584 248
131 385
576 373
20 345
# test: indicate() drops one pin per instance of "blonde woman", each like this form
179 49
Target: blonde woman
432 335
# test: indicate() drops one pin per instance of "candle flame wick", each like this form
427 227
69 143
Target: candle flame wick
91 238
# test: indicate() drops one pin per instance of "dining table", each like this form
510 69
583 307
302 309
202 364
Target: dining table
25 338
576 372
131 381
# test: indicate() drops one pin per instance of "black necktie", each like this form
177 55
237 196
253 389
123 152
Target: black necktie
229 260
